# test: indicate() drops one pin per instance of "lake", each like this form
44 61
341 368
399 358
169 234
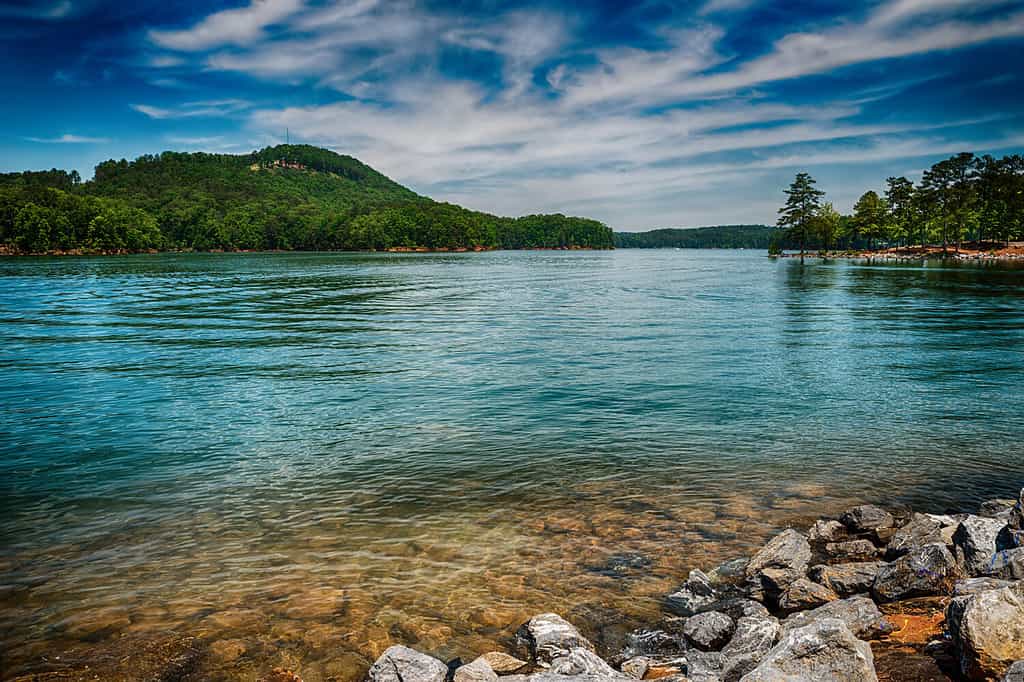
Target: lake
303 458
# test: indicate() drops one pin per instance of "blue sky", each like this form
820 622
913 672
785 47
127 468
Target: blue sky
643 115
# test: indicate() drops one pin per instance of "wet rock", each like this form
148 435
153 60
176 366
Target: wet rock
709 631
777 564
919 531
754 638
988 631
636 667
859 613
1007 564
227 650
1015 673
477 671
623 566
281 675
975 543
824 650
975 585
737 607
853 550
580 661
653 642
549 636
847 579
997 508
502 663
696 592
731 573
866 518
923 572
825 530
804 594
402 664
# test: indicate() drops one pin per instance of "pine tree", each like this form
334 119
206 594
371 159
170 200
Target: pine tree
802 205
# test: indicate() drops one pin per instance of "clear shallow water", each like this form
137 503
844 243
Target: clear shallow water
306 457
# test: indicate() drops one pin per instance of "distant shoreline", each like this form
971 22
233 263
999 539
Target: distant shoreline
71 253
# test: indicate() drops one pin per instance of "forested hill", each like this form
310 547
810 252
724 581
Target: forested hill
283 197
717 237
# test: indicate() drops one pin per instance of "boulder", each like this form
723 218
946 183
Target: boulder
709 631
803 594
549 636
975 542
653 642
731 573
920 530
580 661
754 638
737 607
1015 673
859 613
824 650
1007 564
502 663
402 664
636 667
866 518
777 564
998 508
975 585
696 592
825 530
853 550
847 579
987 629
704 666
927 571
477 671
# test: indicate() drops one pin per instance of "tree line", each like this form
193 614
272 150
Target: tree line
712 237
288 197
979 199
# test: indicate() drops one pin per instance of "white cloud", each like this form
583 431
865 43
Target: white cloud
68 138
228 27
197 109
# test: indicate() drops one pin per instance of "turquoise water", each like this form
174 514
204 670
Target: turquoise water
415 435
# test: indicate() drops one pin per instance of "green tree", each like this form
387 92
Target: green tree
899 196
803 202
32 229
828 224
869 217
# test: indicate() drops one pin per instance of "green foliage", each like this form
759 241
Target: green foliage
717 237
803 202
870 217
284 197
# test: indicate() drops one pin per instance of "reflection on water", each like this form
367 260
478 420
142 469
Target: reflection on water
303 458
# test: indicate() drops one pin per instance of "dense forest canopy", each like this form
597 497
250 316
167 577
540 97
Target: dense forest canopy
283 197
979 199
716 237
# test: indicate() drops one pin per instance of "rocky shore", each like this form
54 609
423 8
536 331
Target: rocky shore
874 594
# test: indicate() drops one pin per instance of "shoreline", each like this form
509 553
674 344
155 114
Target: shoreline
1012 252
71 253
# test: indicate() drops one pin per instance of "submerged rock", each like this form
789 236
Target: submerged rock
824 650
866 518
847 579
975 543
402 664
919 531
549 636
988 630
783 560
859 613
923 572
709 631
804 594
693 594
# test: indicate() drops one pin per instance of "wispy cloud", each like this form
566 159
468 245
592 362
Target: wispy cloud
68 138
228 27
198 109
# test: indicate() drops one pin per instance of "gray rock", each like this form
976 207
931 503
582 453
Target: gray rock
696 592
636 667
754 638
853 550
502 663
709 631
866 518
549 636
930 570
987 629
824 650
975 585
580 661
975 543
859 613
997 508
731 573
777 564
1015 673
920 530
704 666
477 671
653 642
402 664
826 530
737 607
947 520
1016 520
847 579
803 594
1007 564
